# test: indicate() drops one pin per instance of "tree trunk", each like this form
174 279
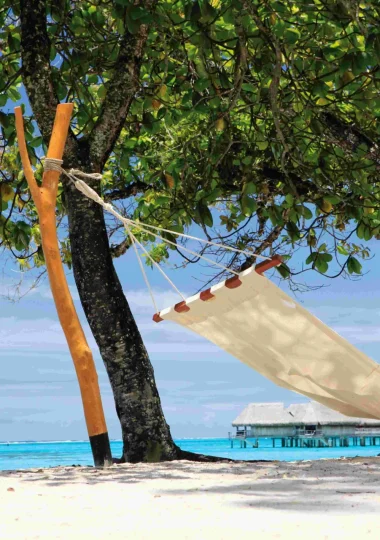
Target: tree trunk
146 435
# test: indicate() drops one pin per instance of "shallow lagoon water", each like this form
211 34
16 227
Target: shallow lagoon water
28 454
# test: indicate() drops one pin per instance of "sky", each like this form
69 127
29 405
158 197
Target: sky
202 388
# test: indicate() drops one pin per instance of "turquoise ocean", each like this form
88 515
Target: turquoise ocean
28 454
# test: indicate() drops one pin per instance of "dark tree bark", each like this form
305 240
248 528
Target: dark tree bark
146 435
349 137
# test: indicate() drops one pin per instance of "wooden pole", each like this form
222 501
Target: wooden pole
45 201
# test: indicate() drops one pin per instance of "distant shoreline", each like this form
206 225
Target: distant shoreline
30 441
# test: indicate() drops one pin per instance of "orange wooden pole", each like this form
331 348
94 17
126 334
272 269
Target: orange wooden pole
45 201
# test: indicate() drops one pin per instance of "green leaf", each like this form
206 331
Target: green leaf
321 264
93 79
289 199
320 88
342 250
367 234
36 142
161 113
249 88
354 266
248 205
249 188
292 35
133 25
283 270
138 13
311 258
205 215
327 257
293 231
360 231
322 101
213 195
14 94
262 145
102 91
201 84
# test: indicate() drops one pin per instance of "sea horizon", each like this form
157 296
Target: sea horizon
6 441
20 455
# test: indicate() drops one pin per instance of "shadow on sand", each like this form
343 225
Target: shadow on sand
316 486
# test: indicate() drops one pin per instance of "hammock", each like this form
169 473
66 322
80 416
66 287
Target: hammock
267 330
255 321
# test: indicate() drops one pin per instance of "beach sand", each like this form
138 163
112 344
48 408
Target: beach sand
195 501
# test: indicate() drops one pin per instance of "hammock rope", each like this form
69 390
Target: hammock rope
157 266
147 283
52 164
224 246
141 227
72 174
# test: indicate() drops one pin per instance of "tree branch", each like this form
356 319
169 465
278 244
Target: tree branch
127 191
121 92
35 53
36 71
28 171
349 137
119 249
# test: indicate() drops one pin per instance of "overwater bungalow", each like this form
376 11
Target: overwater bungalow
303 424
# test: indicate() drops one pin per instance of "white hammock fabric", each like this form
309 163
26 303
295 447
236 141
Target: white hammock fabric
266 329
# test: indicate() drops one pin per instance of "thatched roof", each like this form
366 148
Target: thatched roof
311 413
263 414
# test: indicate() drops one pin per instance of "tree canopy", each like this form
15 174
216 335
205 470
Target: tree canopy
256 120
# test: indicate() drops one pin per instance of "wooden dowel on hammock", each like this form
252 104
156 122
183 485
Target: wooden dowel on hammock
45 201
262 267
206 295
230 283
181 307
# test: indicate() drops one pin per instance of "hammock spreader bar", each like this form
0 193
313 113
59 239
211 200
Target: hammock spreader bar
230 283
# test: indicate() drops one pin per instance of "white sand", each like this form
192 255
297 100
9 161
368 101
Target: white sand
183 500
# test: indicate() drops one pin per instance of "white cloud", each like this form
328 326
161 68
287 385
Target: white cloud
45 292
141 302
208 416
354 324
183 348
50 371
236 406
35 334
173 385
24 387
23 286
334 313
359 334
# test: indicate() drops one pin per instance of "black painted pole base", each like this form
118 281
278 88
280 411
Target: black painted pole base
101 450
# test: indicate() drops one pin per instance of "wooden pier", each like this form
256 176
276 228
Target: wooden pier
308 441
